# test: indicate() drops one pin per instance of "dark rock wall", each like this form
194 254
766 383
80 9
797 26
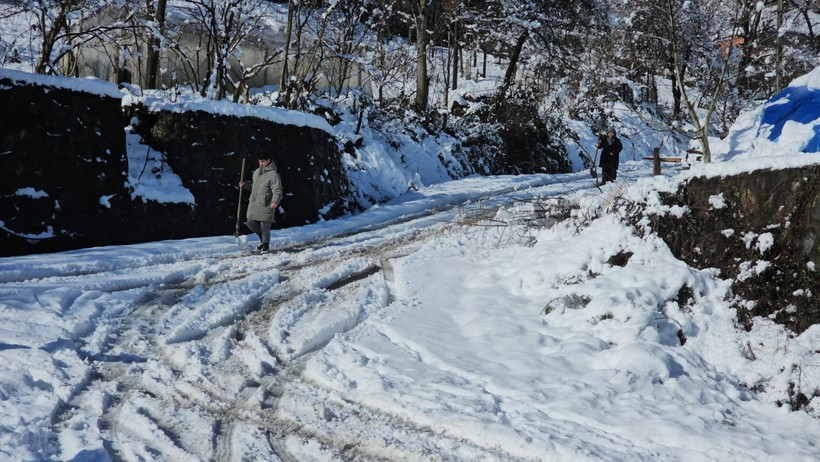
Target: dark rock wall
64 171
206 151
782 203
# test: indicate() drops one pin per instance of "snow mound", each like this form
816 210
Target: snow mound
787 124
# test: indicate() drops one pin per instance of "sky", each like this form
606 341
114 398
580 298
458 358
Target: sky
476 319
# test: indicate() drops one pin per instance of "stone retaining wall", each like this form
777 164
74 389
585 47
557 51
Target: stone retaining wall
761 229
64 169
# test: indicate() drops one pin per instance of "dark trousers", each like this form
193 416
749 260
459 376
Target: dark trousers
261 228
608 173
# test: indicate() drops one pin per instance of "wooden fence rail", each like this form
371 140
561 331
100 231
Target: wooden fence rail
657 159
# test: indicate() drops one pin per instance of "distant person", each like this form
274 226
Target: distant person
266 193
610 147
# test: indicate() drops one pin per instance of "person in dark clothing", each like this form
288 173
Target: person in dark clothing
610 147
266 193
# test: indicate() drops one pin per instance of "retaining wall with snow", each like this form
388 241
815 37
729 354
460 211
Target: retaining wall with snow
64 166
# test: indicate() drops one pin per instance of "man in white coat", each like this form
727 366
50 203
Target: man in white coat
266 193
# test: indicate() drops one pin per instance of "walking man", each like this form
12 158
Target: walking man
266 193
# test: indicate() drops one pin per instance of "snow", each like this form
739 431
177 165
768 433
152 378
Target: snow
717 201
443 325
149 176
187 100
788 123
462 320
31 192
87 85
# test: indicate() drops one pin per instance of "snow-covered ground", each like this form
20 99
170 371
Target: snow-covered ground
472 320
480 319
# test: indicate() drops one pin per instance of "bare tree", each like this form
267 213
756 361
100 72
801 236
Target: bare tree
53 25
387 60
288 32
154 48
691 25
226 25
247 72
769 30
553 30
297 74
60 28
12 47
344 38
420 16
806 10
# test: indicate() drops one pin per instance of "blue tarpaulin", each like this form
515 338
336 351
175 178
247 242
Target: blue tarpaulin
798 104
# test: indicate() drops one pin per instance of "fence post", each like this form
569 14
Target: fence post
656 161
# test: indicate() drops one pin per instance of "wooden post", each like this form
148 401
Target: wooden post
656 161
778 51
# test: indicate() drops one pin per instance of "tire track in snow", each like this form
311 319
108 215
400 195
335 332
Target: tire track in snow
137 337
355 431
398 433
291 364
378 251
131 339
118 373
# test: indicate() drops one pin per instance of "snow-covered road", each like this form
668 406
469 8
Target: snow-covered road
478 320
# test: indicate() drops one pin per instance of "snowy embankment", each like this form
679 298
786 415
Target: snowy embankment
482 319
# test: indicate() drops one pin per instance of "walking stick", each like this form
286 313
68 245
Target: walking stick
593 170
239 204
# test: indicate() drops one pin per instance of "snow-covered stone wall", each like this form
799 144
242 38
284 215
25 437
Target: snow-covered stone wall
760 229
64 167
206 149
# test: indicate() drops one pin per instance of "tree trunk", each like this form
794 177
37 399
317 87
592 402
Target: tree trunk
676 96
456 57
288 32
448 66
778 51
510 74
804 11
750 30
58 23
421 56
678 69
153 51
